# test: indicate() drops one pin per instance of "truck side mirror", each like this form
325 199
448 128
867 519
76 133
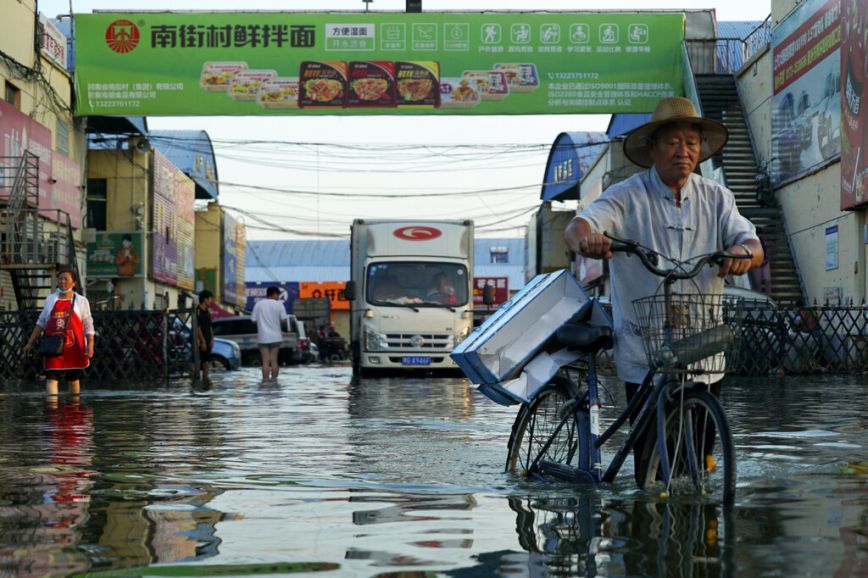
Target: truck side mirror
350 291
488 295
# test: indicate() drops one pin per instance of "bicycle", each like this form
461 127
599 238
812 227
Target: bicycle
557 434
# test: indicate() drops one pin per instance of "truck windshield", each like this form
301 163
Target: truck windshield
420 284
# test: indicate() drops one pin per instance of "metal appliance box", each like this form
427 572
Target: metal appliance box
499 348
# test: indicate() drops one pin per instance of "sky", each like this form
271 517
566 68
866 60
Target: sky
308 177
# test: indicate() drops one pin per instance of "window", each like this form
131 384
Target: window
61 137
406 283
499 254
97 196
12 95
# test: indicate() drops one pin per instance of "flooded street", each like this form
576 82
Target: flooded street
319 475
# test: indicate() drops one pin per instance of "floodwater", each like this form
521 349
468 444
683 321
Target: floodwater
403 477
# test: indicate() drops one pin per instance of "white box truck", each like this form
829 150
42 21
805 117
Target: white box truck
411 293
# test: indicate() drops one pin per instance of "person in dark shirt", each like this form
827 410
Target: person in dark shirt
204 333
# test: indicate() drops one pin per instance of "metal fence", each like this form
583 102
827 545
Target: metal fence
129 346
819 339
774 340
727 55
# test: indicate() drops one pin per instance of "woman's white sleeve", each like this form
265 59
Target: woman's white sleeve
86 316
46 311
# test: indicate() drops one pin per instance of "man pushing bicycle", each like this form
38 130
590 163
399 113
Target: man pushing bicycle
669 208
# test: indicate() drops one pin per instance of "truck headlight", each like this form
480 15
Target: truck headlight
461 334
374 341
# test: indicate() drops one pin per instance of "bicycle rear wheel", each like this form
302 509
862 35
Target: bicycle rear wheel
699 449
534 427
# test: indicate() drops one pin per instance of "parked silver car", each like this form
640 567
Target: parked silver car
225 354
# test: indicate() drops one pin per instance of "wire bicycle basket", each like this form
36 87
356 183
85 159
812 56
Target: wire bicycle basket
689 332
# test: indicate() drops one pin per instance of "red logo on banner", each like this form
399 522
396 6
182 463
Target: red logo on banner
417 233
122 36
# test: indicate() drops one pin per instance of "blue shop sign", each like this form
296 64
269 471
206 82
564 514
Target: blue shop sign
256 291
572 154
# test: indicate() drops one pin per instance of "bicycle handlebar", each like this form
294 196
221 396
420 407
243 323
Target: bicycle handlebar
650 259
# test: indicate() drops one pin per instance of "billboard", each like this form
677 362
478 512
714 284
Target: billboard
235 63
234 250
173 225
116 254
806 101
854 70
59 176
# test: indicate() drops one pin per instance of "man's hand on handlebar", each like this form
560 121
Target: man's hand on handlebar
738 266
595 246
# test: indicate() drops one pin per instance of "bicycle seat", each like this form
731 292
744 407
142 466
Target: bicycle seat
585 337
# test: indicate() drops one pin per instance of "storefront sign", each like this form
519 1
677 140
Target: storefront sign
116 254
331 290
199 63
53 42
831 248
501 290
806 102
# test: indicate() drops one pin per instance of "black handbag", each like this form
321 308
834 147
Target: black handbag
52 345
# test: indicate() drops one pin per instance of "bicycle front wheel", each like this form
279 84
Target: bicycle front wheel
699 449
536 424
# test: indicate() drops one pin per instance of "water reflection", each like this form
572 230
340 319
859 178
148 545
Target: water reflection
587 535
404 477
52 496
90 491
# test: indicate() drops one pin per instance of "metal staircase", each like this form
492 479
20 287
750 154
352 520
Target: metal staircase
719 99
31 250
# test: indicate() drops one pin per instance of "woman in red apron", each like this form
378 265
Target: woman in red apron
65 313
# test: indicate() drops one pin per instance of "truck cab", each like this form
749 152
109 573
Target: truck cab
411 293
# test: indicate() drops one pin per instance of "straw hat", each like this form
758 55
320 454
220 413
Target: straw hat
670 110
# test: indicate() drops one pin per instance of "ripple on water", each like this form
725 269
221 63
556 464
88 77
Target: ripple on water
401 475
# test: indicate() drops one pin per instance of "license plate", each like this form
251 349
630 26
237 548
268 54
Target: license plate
415 360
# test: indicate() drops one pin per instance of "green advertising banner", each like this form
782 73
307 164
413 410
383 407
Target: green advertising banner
234 63
116 254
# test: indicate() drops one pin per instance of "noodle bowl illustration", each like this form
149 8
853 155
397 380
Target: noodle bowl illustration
415 89
370 88
323 89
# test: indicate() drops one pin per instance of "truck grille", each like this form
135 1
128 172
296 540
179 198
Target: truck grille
417 341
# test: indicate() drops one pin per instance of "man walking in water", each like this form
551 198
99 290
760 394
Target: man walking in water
268 314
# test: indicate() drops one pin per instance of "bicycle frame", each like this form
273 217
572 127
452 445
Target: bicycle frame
591 441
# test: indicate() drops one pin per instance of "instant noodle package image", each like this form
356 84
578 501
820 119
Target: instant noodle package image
458 93
418 83
367 84
322 84
245 85
280 92
491 84
520 77
372 83
217 76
